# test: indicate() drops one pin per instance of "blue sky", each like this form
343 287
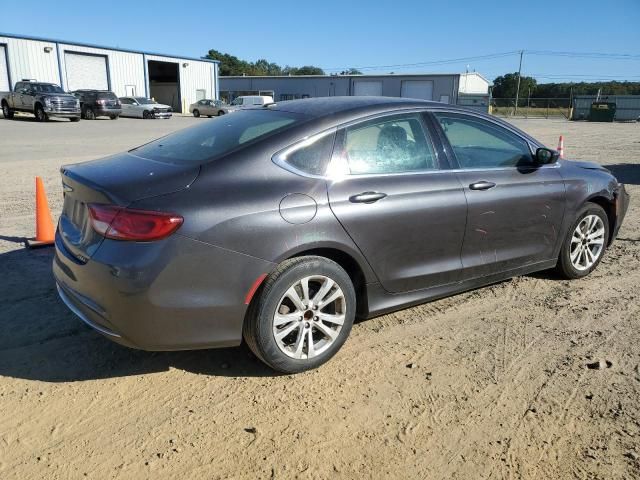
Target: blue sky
339 34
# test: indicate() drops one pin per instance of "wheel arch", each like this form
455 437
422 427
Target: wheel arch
609 207
350 265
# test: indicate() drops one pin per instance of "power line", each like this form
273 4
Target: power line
612 56
434 62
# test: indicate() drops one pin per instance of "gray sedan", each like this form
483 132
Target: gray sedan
143 107
282 224
207 107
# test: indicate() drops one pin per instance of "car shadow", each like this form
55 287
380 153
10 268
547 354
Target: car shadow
626 172
40 339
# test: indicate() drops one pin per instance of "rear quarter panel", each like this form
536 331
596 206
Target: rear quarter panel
240 203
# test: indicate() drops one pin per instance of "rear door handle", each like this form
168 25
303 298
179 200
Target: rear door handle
483 185
367 197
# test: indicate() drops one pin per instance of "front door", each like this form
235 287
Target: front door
405 214
515 207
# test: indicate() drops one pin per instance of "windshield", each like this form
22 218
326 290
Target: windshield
144 100
237 101
46 88
218 137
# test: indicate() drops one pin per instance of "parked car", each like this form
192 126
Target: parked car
248 101
282 224
44 100
207 107
143 107
98 103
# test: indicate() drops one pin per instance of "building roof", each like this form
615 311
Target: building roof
117 49
357 76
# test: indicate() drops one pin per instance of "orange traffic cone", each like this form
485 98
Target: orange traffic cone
44 226
561 146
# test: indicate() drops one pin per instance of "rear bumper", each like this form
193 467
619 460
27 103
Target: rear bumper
107 112
173 294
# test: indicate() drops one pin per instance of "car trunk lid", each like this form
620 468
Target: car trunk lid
117 180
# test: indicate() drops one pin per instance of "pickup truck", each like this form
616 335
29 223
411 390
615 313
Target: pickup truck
44 100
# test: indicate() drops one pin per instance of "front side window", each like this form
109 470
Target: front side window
396 144
144 101
212 140
478 143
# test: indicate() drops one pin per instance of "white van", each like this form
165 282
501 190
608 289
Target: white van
247 101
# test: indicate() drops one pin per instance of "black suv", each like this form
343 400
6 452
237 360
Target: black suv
98 103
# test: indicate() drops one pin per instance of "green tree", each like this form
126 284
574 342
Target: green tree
306 70
505 86
351 71
232 65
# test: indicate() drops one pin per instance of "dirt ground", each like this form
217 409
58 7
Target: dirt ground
499 386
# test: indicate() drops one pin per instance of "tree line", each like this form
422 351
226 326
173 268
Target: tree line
230 65
505 86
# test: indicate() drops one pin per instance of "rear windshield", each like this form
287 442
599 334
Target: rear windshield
217 137
107 96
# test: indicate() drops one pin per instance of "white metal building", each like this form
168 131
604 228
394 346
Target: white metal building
441 87
175 81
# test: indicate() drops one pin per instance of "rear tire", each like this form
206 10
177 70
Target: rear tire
196 113
315 324
585 243
89 114
113 117
6 111
40 114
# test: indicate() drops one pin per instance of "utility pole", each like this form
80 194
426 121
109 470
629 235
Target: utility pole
518 88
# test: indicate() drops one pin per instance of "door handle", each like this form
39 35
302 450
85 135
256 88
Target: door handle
367 197
483 185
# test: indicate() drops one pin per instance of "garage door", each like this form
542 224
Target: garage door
86 71
4 72
422 89
362 87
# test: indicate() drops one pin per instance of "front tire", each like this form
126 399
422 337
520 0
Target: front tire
6 111
146 115
585 244
40 114
301 315
74 119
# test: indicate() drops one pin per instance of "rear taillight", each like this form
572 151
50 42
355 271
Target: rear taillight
101 102
121 223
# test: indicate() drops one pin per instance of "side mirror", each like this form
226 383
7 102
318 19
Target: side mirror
546 156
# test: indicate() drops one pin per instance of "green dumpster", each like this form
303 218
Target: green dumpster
602 112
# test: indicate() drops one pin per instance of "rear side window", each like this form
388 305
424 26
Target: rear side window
388 145
218 137
310 156
478 143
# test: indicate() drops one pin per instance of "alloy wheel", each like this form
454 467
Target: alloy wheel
309 317
587 242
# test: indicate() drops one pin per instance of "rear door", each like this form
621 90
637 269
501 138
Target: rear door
390 192
515 206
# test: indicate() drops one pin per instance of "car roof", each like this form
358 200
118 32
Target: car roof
324 106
